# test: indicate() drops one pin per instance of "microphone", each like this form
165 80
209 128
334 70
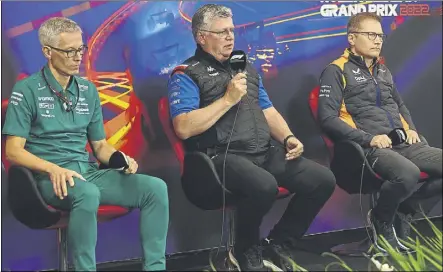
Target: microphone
237 61
397 136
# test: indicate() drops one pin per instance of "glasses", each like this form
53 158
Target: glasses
222 34
73 52
372 35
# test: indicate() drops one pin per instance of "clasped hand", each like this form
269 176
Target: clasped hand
294 148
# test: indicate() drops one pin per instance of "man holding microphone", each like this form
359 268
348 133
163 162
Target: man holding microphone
214 111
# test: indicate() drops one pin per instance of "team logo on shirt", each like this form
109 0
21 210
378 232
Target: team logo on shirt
49 106
360 79
325 90
82 87
40 87
46 103
212 71
16 98
46 98
82 107
174 94
47 114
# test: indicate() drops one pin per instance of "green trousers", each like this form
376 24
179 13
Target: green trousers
110 187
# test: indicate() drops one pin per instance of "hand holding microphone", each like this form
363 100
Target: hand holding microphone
395 137
123 163
237 87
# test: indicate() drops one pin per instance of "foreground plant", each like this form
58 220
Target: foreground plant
427 252
426 256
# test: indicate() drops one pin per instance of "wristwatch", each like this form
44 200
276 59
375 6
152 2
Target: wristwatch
285 141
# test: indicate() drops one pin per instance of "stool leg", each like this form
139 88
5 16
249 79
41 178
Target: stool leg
62 245
373 200
231 262
231 236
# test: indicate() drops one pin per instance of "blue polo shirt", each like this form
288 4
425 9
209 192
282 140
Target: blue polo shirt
184 95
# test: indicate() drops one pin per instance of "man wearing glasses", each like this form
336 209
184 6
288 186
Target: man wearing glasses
50 117
358 101
210 107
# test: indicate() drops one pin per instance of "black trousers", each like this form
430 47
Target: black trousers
401 167
254 180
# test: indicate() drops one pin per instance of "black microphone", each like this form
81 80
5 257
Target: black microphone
397 136
237 61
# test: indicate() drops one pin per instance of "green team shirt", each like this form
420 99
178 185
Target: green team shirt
53 134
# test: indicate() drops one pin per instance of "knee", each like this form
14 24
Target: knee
86 198
266 190
155 189
324 180
408 178
327 179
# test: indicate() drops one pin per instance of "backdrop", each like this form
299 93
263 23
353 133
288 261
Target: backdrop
132 48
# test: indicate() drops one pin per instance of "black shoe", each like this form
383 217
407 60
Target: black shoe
402 225
251 259
381 228
280 254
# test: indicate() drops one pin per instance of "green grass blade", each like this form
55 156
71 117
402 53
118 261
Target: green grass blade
340 261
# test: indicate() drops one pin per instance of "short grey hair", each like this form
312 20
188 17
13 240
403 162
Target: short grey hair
204 16
49 32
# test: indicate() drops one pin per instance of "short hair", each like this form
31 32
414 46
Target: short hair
355 21
204 16
49 32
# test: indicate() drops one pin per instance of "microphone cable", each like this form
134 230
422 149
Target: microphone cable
224 179
361 189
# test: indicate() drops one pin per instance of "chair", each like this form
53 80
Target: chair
347 159
29 208
200 179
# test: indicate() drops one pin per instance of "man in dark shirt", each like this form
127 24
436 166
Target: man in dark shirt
206 103
358 101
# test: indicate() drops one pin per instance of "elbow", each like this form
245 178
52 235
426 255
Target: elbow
14 148
181 128
9 157
321 120
11 153
181 135
181 132
325 123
